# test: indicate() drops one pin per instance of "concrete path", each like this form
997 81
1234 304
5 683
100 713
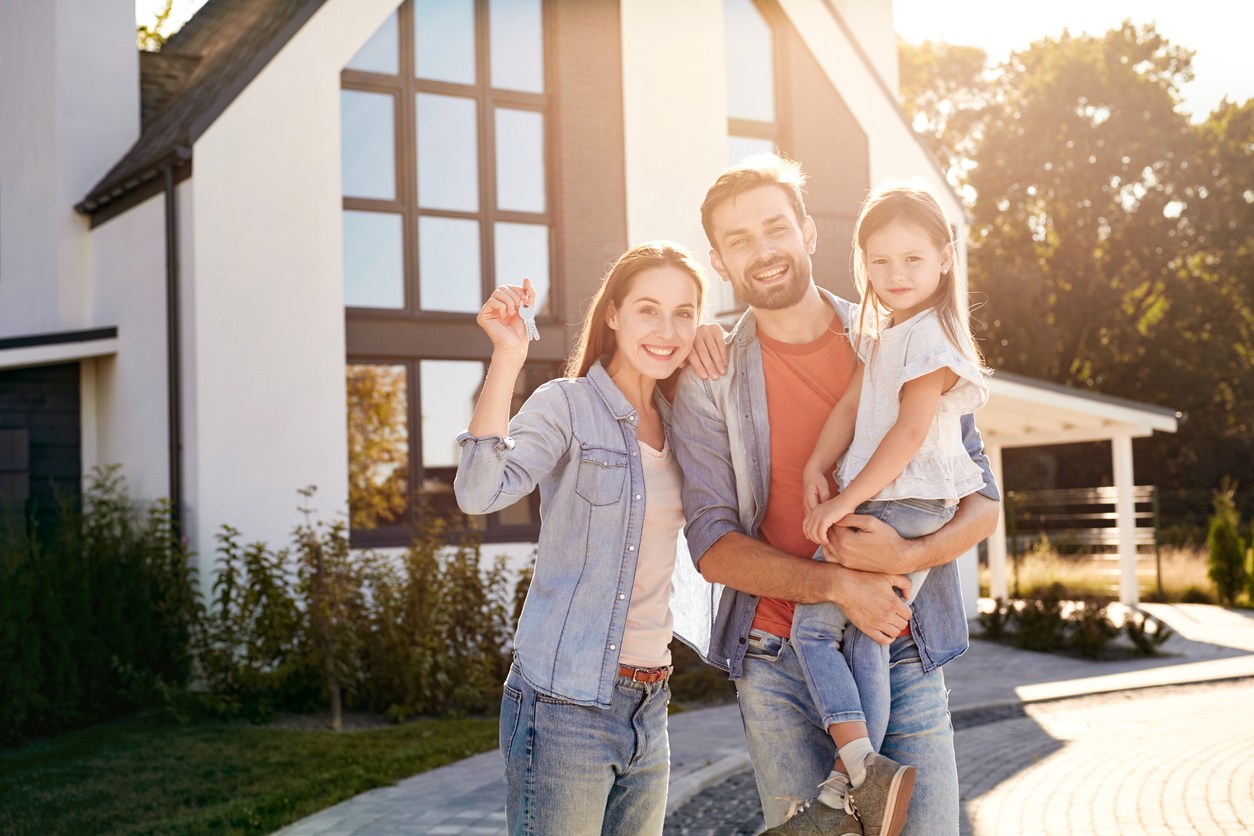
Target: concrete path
998 695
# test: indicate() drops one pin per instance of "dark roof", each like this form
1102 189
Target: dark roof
195 77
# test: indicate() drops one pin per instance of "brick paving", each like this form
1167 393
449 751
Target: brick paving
1046 744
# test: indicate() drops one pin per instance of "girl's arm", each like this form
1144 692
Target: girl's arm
500 320
834 440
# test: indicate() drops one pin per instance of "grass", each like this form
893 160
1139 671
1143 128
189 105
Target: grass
1183 574
135 778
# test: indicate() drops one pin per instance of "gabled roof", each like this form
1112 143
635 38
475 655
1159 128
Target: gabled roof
200 71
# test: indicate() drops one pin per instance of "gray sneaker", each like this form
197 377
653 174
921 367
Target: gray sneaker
880 802
814 818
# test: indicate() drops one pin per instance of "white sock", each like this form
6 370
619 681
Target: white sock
832 791
853 755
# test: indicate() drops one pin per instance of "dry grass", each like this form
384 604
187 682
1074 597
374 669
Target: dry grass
1183 574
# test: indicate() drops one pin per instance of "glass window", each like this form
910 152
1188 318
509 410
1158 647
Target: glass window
378 445
448 153
444 40
380 54
368 147
449 389
523 250
517 32
374 261
739 147
750 63
449 265
519 160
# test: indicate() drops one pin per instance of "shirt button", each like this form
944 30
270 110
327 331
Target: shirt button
635 452
631 548
621 596
612 647
637 496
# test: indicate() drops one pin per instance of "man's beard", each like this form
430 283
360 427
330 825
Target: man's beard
777 297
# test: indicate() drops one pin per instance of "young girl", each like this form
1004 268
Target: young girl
583 717
897 428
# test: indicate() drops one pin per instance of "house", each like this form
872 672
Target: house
250 262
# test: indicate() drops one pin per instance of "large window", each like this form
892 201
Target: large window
445 170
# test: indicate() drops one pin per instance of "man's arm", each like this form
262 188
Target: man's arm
868 599
873 545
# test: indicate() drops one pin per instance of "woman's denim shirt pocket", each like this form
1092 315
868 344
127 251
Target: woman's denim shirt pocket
574 439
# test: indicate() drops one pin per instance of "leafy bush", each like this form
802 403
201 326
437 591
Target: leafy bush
1091 629
95 616
995 624
1041 623
1146 633
1227 549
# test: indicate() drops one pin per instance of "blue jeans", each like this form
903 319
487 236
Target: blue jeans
792 751
577 769
843 695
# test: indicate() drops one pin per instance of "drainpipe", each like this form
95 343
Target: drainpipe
174 368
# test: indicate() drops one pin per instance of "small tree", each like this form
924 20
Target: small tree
1227 549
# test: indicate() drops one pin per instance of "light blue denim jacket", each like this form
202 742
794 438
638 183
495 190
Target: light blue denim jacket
576 439
723 444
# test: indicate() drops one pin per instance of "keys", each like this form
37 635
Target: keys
528 314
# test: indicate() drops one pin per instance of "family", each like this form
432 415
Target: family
818 467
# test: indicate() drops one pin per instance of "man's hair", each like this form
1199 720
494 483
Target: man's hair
761 169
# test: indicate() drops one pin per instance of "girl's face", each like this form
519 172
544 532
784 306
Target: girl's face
656 323
904 267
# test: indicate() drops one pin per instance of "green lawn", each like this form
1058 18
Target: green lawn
214 778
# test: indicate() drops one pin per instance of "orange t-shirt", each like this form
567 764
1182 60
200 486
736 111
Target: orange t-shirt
803 383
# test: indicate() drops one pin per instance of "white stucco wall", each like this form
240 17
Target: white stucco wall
675 116
69 109
267 351
128 277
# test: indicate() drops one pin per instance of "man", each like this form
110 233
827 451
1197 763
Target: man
742 440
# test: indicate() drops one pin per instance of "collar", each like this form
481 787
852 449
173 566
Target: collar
616 402
746 329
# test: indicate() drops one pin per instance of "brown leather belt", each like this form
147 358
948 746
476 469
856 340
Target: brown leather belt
644 674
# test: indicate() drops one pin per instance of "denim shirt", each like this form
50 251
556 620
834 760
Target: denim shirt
723 445
576 439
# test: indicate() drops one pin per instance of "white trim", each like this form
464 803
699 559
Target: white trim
47 355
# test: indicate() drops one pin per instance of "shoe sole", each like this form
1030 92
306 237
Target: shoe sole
898 804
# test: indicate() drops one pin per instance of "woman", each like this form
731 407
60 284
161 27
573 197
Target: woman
583 717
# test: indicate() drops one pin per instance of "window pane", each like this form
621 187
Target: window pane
374 275
519 160
449 278
739 147
448 153
523 250
444 40
517 32
378 445
750 63
448 392
379 55
368 151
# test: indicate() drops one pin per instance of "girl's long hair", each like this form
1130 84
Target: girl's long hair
915 207
596 338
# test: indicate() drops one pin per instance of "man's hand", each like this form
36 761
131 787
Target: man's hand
866 543
708 357
870 601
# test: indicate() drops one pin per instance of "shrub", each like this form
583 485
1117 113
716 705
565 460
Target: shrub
995 624
1146 633
1227 549
95 615
1091 629
1041 623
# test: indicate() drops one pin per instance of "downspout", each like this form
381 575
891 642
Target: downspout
173 335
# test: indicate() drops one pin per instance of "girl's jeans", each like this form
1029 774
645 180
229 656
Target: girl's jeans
842 695
576 769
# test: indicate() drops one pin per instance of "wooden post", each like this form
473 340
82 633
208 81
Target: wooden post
1125 518
997 543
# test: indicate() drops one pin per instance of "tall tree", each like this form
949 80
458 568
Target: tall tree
944 90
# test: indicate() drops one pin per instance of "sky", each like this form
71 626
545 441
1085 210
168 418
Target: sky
1218 31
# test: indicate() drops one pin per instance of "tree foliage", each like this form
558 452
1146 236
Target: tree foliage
1110 238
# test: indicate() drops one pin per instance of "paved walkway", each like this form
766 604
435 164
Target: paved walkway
1034 736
